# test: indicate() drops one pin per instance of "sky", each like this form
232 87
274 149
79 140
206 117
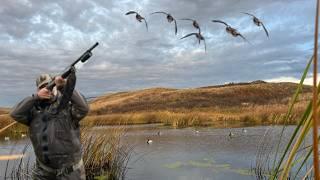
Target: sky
44 36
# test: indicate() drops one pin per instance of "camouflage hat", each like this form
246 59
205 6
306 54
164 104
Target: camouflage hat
43 79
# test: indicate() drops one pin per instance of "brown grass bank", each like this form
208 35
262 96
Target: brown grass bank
254 103
233 117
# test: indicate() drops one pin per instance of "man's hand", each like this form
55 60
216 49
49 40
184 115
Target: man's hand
59 81
44 93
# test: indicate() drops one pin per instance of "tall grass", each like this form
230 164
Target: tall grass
248 116
288 159
19 168
315 97
104 156
294 156
5 120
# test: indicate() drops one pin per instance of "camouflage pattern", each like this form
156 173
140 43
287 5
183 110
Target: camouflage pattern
40 173
43 79
54 129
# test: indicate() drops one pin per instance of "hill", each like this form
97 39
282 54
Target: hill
233 101
224 96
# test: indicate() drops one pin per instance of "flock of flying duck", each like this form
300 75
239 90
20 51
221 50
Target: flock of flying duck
230 30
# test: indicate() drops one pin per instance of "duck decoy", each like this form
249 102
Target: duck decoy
194 23
149 141
199 37
244 130
234 32
258 22
170 19
231 134
138 17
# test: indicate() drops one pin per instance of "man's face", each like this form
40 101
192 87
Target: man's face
42 86
43 93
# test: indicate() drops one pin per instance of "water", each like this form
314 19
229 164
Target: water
204 153
186 154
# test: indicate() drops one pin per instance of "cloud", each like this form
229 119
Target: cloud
40 36
308 80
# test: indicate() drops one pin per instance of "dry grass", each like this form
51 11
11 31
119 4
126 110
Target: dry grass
227 117
5 119
249 103
103 155
177 100
4 110
12 131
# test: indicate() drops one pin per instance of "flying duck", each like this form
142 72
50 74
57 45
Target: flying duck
199 37
138 17
169 18
194 23
234 32
257 22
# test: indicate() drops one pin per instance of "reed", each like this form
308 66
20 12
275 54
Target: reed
309 119
104 156
292 155
232 117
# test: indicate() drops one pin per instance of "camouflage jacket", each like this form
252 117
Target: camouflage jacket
54 127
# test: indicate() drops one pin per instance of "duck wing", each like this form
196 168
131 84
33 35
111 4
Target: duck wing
219 21
249 14
160 12
175 26
131 12
191 34
243 38
187 19
205 45
145 23
265 29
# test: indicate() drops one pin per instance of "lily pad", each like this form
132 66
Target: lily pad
174 165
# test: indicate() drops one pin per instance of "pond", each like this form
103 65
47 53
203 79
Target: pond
188 154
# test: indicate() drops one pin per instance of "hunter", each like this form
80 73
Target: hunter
53 121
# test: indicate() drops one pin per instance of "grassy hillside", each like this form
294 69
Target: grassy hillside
206 97
4 110
222 105
255 102
5 119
